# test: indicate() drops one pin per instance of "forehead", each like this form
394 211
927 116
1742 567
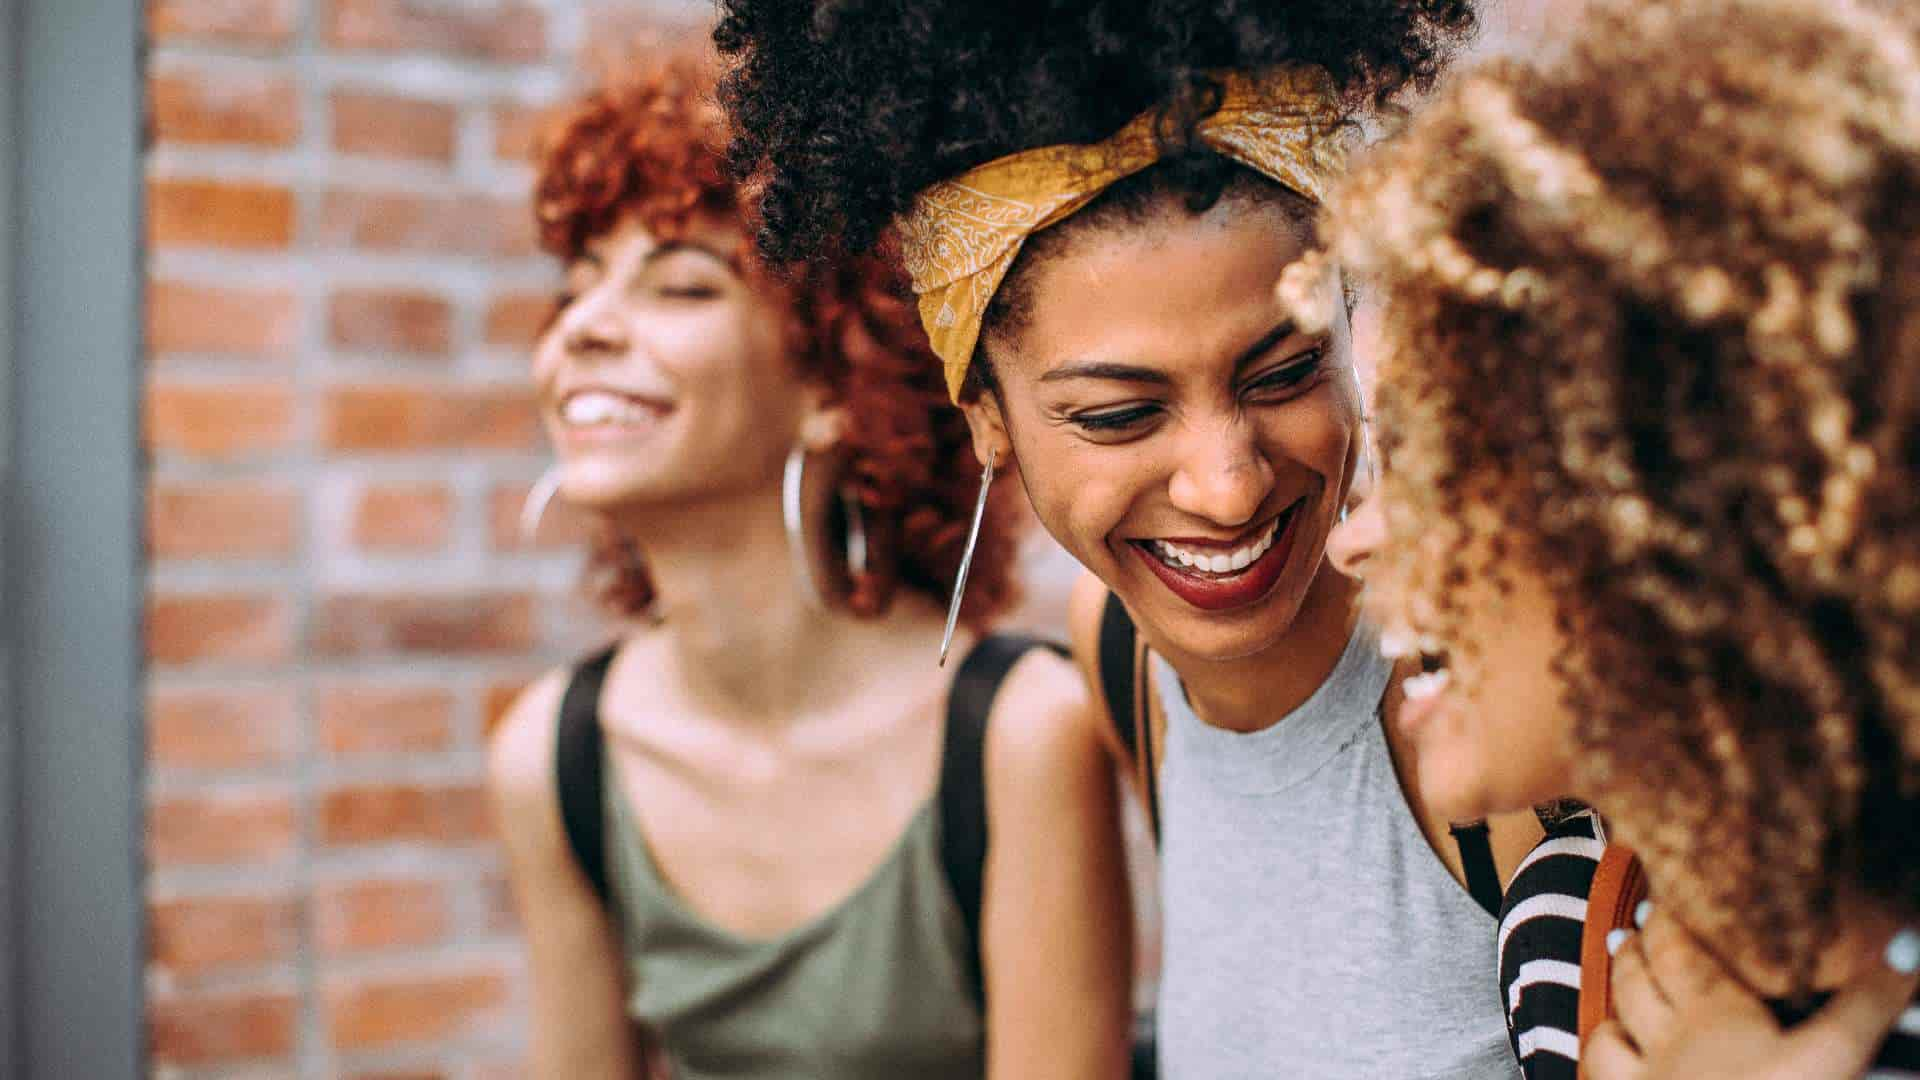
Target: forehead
632 237
1167 289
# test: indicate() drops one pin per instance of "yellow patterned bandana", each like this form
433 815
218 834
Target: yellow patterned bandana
962 235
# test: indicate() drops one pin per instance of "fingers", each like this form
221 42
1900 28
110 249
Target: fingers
1609 1055
1641 1006
1843 1038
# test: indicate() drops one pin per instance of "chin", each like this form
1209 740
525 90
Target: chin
599 485
1224 636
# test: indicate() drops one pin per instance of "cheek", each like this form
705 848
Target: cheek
1315 431
1080 492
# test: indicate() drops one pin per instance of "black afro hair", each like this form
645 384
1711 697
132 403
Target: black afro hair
845 109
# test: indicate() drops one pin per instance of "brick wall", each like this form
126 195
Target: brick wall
342 287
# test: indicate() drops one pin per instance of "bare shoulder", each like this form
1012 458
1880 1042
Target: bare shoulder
1041 720
520 756
1086 610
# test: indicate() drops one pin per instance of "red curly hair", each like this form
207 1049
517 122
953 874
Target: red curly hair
649 146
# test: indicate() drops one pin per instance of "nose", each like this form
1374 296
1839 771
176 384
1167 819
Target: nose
592 330
1358 536
1223 477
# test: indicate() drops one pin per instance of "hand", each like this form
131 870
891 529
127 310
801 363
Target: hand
1679 1013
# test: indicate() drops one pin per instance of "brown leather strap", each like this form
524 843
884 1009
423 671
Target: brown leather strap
1619 884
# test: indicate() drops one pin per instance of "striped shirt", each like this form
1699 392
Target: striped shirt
1541 924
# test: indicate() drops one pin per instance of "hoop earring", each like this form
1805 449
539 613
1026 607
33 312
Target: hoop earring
539 497
793 516
856 534
966 559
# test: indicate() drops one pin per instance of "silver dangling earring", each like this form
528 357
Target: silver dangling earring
539 497
792 513
966 559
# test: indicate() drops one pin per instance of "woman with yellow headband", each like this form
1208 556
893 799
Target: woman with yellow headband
1094 200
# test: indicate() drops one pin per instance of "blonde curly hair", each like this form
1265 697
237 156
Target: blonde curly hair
1652 327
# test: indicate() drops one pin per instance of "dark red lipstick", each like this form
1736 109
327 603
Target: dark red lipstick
1215 592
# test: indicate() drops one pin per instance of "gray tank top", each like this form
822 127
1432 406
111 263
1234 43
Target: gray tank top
1310 930
875 989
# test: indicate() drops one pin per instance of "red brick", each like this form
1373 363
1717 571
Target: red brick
218 421
194 935
221 728
211 1029
235 627
366 624
497 699
221 827
496 897
518 130
390 320
413 517
191 105
399 418
381 1011
371 719
256 22
364 915
503 31
616 29
391 221
219 214
213 520
374 814
387 125
563 526
515 320
220 319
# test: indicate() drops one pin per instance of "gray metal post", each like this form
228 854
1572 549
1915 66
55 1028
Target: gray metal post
73 579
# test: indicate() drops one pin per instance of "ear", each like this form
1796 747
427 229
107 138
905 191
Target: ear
825 424
989 427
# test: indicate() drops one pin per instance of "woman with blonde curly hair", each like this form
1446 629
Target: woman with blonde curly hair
1650 398
757 826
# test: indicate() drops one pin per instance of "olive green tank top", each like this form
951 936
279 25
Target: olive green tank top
875 989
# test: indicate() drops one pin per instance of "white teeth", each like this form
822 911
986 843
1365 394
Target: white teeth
1396 644
590 407
1426 685
1224 563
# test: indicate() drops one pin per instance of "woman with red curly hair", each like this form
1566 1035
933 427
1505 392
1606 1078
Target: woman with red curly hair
757 824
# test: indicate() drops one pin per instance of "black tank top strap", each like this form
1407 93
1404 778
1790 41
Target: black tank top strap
962 794
579 771
1476 858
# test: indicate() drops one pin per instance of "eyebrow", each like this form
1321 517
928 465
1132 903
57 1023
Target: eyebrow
676 246
1136 373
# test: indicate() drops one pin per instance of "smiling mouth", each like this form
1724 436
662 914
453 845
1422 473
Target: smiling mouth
1218 578
587 410
1434 676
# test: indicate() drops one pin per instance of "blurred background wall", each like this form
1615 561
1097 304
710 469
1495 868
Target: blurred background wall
342 287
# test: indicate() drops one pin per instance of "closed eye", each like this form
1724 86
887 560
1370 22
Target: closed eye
1290 375
1114 420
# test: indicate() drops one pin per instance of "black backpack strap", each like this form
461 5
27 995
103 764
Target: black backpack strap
1116 671
1122 684
963 787
1476 858
578 760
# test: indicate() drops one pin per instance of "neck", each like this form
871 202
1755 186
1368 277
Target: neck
1253 692
743 634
